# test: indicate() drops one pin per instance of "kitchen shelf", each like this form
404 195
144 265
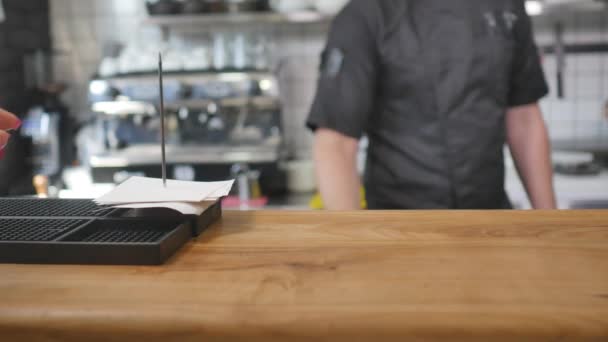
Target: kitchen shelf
171 21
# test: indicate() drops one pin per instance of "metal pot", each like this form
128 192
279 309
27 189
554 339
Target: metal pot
162 7
247 181
193 6
263 5
215 6
236 6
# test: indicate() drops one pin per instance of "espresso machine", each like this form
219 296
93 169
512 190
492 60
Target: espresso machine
214 121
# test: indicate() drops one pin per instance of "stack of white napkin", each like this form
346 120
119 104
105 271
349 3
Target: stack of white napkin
188 198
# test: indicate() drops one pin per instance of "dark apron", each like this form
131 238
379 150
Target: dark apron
437 138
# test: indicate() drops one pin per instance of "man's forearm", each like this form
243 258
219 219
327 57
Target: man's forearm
529 143
337 177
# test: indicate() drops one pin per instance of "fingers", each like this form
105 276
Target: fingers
8 120
4 136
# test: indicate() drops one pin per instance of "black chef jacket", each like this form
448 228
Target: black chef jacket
429 83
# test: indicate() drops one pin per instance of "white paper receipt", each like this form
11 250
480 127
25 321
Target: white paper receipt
141 191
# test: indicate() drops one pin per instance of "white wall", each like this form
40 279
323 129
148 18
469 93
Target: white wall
580 115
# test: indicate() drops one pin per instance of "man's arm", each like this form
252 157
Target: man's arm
529 143
336 166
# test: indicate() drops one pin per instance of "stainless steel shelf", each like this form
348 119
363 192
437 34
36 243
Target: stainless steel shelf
188 154
170 21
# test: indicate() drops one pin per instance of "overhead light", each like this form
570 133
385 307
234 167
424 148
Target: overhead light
98 87
534 7
265 84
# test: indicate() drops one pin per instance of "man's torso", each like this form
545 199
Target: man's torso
437 131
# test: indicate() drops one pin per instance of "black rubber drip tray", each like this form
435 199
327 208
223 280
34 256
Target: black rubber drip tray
32 230
66 231
123 231
30 207
103 241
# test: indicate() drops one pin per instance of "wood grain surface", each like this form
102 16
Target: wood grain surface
368 276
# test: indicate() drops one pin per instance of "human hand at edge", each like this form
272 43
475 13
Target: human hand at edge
8 121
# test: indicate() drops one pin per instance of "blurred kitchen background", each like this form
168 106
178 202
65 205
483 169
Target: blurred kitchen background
240 76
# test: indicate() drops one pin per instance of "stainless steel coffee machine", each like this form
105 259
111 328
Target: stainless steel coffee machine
215 120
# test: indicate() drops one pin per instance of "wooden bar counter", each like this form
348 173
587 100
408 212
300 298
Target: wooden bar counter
304 276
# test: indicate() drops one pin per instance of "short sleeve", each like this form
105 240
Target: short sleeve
528 83
347 83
